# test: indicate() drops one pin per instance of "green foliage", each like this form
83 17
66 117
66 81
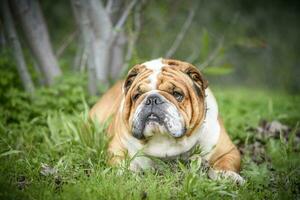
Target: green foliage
9 76
205 45
224 69
67 95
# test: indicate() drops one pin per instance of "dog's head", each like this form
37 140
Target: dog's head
163 96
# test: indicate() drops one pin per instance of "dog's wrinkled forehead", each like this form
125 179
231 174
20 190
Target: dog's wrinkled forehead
156 67
151 70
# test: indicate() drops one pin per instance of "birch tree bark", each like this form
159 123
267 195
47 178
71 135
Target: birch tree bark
16 47
2 37
103 36
116 56
95 28
32 21
102 28
119 37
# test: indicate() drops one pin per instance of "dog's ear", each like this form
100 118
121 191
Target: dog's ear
197 77
132 74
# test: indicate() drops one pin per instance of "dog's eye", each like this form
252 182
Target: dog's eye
178 96
136 96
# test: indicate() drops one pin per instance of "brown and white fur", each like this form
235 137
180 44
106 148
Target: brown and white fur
190 118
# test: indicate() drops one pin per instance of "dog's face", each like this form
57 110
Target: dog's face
163 97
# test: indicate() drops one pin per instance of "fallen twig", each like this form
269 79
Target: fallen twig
125 15
182 33
213 55
66 42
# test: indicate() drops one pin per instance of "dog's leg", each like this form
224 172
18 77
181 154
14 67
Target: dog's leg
226 158
116 151
227 166
119 155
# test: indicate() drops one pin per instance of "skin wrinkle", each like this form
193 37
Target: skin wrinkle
184 107
174 73
178 79
141 76
132 74
171 99
182 84
170 111
189 78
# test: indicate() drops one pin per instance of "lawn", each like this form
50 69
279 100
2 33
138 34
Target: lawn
49 151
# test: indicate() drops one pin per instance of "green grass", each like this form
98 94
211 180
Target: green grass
50 135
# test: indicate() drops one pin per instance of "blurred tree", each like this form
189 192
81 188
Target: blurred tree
32 21
95 28
179 38
16 47
114 8
102 37
2 37
247 42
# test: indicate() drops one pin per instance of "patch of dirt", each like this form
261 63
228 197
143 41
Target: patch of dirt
256 151
263 132
47 170
22 182
272 129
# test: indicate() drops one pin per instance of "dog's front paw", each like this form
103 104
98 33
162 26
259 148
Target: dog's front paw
218 174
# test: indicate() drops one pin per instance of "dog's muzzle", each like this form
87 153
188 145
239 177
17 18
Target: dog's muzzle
155 108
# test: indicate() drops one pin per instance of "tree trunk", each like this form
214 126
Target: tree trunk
116 56
102 28
2 37
16 47
37 69
103 36
33 24
83 22
95 28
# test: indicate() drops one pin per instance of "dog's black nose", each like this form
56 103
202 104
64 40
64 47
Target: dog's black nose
154 99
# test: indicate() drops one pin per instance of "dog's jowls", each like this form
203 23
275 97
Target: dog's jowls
165 109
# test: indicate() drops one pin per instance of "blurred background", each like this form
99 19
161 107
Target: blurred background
235 43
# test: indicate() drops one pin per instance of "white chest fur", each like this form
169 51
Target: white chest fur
165 146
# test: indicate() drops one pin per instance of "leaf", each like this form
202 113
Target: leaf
205 42
10 152
219 70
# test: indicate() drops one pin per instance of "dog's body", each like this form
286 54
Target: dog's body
164 109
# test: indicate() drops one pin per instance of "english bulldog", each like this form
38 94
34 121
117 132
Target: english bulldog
164 109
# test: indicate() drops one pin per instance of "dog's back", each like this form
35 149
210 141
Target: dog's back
108 104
